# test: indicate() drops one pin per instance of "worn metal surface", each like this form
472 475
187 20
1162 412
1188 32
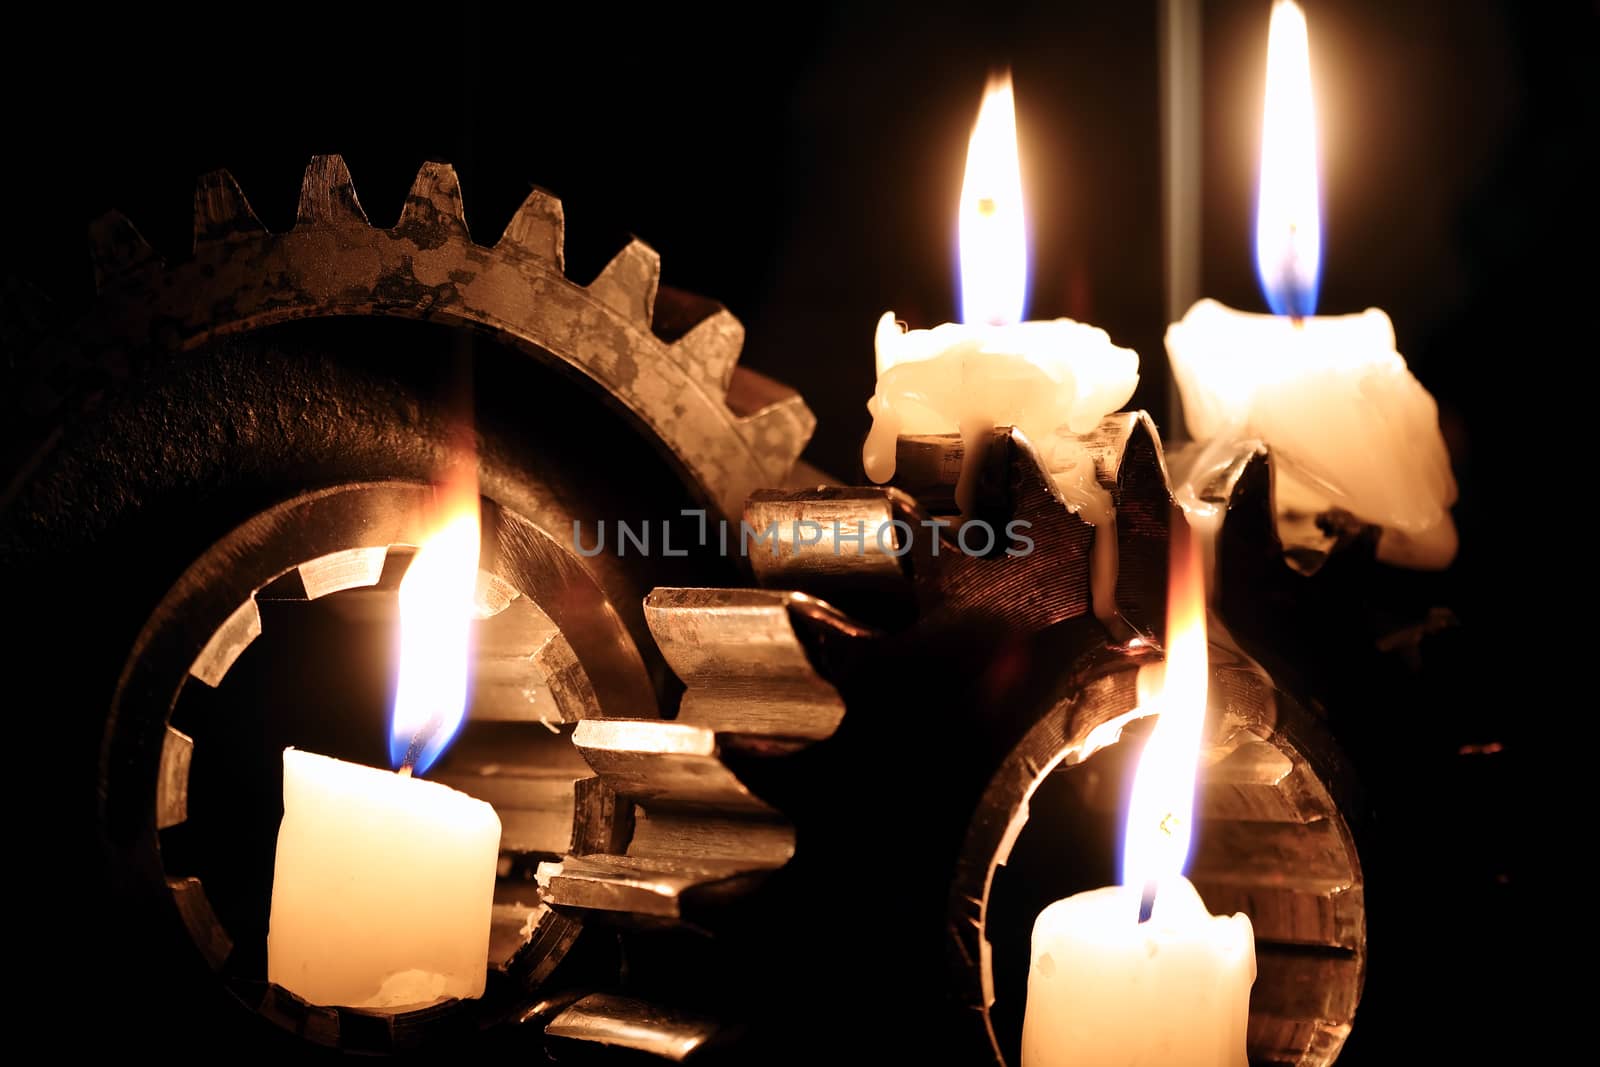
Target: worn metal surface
925 559
532 595
833 542
1305 541
730 430
623 1024
701 834
664 821
158 395
172 787
1276 846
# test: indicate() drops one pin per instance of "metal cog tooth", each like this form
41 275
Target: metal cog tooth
628 284
730 430
435 198
537 229
711 348
328 196
773 419
700 833
705 637
117 248
221 212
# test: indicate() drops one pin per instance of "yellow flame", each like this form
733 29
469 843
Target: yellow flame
436 613
991 227
1288 220
1161 814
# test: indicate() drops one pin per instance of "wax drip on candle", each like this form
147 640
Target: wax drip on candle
1349 427
975 434
1052 380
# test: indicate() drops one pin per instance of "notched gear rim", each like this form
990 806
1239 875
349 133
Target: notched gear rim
729 429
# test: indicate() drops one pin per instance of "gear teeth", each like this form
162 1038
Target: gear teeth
628 284
221 212
538 229
778 434
435 198
327 195
669 359
711 349
773 419
117 249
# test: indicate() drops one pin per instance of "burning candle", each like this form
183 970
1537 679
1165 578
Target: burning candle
383 886
1141 973
1053 380
1349 426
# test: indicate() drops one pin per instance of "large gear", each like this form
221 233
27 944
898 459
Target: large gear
661 824
763 665
663 359
730 429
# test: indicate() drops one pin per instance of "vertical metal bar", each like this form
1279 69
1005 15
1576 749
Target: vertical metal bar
1179 32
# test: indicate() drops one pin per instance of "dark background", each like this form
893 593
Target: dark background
801 164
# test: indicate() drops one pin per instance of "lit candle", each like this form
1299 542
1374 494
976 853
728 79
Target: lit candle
1348 425
1141 973
1053 380
384 883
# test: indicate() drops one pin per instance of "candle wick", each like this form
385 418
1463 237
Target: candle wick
1147 902
1297 321
408 764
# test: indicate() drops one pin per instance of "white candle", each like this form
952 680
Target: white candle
1052 380
1347 423
383 887
1106 989
1349 426
384 884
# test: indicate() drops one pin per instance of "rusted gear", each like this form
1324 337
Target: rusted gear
728 428
699 833
664 360
687 817
1049 684
751 687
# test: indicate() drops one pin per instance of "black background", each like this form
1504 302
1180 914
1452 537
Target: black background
801 164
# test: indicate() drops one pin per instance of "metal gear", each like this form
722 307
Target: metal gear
1274 786
730 429
665 359
699 832
680 817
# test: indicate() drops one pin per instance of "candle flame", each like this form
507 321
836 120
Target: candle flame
1288 220
992 230
1161 813
436 613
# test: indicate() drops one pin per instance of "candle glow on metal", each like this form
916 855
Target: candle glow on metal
991 227
436 614
1288 218
1159 829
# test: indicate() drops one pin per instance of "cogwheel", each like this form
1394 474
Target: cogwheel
181 461
728 428
699 834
